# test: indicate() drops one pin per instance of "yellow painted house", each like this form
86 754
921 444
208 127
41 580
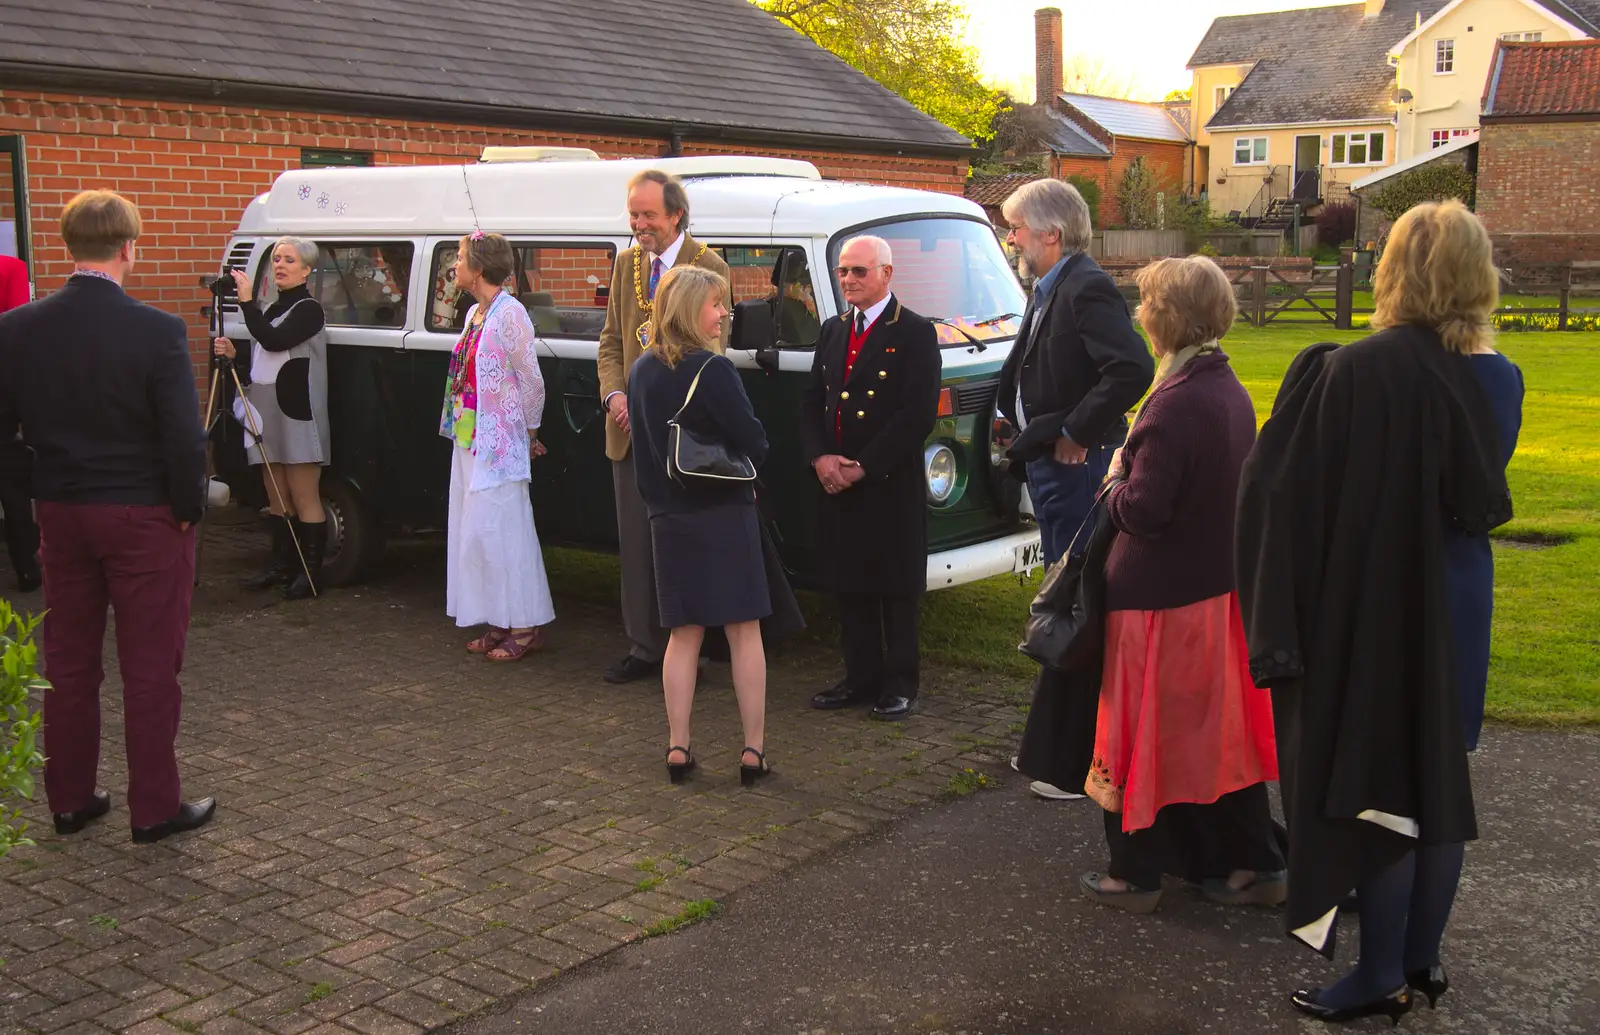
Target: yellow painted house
1295 106
1442 65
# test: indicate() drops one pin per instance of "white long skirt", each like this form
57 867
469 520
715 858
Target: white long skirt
495 572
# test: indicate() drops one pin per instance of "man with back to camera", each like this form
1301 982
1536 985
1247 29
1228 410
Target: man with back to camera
103 390
658 213
865 416
1076 369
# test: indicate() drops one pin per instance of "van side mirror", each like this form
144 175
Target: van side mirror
755 329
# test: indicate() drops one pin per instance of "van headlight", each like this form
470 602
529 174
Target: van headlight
939 464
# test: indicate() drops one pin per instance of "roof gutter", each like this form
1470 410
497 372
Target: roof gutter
217 91
1513 118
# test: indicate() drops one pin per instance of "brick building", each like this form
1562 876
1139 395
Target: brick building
1538 152
192 116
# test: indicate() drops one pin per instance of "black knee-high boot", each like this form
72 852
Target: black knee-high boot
313 542
281 563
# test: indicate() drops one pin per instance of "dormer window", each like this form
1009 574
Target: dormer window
1220 96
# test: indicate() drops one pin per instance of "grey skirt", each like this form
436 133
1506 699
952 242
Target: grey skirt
293 415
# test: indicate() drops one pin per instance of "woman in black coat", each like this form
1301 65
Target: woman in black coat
710 570
1378 457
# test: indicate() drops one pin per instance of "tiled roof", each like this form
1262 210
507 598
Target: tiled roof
1140 119
992 191
713 64
1319 64
1544 79
1585 14
1068 138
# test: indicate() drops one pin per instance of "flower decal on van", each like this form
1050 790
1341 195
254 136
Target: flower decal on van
322 200
305 191
339 209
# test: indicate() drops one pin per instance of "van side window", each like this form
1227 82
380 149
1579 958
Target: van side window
776 273
359 285
563 286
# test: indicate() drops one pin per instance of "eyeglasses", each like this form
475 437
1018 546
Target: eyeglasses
854 271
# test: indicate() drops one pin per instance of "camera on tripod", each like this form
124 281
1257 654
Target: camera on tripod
223 286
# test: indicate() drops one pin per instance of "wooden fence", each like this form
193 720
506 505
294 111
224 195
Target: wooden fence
1136 244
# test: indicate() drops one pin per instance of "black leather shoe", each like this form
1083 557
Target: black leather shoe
893 706
29 577
189 817
838 696
630 669
1393 1006
1433 983
72 822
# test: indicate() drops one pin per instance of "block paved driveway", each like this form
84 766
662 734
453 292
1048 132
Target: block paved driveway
408 833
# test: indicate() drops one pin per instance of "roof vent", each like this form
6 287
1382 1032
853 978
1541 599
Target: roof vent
538 154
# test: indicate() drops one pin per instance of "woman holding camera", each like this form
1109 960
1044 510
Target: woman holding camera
493 402
287 415
710 569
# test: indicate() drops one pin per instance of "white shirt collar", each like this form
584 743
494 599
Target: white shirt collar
670 254
875 311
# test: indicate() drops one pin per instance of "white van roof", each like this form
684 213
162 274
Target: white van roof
728 194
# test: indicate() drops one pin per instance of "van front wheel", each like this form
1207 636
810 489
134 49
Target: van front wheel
355 542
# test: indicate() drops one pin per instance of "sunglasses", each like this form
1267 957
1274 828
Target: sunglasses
854 271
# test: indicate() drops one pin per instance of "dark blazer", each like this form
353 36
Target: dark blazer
1081 365
720 408
873 537
103 389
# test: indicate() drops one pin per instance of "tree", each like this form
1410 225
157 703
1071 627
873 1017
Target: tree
913 47
19 723
1136 195
1177 95
1436 181
1016 142
1084 74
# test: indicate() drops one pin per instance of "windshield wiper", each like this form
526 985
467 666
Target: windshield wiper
978 344
997 319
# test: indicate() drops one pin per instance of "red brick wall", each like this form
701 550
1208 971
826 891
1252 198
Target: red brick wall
1537 192
192 169
1168 160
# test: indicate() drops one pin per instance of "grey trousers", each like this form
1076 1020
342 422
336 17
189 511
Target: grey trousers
641 614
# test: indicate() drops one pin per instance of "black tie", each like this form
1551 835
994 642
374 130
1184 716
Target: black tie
861 323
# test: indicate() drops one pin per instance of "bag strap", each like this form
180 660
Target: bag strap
692 386
1089 521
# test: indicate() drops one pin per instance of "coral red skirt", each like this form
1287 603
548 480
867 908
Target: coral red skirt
1180 719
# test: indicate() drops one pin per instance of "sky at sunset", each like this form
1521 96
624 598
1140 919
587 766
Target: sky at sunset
1148 41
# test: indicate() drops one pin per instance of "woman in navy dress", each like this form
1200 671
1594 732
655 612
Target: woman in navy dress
710 569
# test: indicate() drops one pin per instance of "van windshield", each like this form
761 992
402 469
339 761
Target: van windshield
951 270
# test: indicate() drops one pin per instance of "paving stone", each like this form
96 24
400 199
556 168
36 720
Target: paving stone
424 832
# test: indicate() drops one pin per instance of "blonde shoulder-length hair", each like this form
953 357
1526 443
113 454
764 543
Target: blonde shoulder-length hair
1437 271
674 330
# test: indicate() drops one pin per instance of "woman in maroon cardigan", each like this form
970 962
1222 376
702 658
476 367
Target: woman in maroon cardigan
1184 743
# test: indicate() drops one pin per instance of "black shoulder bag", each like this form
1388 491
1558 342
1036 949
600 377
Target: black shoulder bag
695 458
1067 620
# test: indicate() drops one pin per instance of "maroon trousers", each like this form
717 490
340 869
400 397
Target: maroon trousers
138 561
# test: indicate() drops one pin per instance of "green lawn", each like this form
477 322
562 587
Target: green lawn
1546 660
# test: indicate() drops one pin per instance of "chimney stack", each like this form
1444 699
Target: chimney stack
1374 8
1048 49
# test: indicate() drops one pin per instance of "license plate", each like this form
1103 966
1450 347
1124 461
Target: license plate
1029 557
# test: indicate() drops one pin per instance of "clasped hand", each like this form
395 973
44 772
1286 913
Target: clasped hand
837 473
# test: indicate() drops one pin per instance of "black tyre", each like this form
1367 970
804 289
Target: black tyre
355 540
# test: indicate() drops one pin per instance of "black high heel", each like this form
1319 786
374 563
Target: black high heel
1433 983
1394 1006
749 774
676 771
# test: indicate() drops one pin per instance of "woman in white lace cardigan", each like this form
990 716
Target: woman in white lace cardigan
493 401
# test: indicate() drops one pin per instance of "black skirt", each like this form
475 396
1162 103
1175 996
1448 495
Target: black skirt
709 566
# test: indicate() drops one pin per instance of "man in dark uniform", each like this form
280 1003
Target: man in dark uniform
871 404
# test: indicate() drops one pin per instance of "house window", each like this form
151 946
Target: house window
1358 148
1522 37
1221 96
321 158
1444 57
1250 151
1442 137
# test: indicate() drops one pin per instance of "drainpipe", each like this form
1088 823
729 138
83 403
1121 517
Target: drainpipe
674 143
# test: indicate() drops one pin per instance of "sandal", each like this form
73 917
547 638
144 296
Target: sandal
488 641
515 645
1264 889
749 774
1133 899
676 771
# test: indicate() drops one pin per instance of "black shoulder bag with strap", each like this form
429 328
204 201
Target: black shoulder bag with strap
696 458
1067 620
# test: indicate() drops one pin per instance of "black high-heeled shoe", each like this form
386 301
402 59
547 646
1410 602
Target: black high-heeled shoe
1433 983
749 774
1394 1006
676 771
